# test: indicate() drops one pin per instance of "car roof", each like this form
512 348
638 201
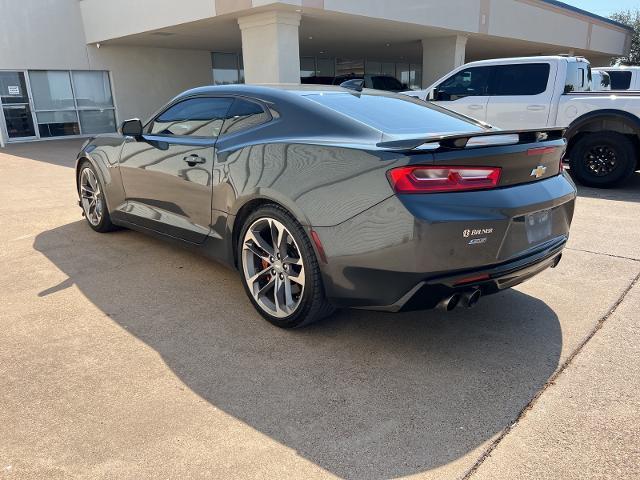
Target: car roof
279 92
275 91
542 58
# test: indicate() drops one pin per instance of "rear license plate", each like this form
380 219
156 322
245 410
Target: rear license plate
538 226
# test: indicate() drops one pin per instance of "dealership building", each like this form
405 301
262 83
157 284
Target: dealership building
78 67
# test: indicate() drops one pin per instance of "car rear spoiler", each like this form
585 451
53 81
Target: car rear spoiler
477 139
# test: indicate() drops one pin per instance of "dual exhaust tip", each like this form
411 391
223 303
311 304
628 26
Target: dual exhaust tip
468 299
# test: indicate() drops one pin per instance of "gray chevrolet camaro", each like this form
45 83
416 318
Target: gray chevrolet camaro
325 197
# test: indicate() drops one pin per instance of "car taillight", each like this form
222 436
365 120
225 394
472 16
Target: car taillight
432 179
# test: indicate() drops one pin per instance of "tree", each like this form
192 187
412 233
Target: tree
632 19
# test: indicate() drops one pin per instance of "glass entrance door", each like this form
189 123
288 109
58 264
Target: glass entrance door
16 108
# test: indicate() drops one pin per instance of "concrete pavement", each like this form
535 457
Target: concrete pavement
125 357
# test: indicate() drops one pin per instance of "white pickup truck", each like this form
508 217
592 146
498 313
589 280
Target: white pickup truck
602 127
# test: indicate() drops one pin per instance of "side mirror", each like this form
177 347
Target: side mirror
437 95
131 128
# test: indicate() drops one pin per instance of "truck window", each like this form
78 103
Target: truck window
466 83
520 79
620 80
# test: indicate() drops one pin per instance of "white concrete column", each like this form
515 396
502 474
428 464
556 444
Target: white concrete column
440 55
270 47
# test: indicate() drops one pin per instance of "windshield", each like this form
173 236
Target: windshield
395 114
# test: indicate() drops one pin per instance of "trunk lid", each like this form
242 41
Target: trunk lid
521 163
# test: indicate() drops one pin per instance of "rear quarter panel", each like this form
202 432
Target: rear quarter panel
321 185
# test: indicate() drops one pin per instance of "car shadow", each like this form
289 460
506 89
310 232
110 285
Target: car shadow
361 394
56 152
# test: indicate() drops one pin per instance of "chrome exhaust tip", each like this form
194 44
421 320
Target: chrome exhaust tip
449 303
471 297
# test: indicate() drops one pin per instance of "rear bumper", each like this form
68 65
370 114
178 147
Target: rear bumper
428 293
408 253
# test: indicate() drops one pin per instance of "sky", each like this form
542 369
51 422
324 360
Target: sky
604 7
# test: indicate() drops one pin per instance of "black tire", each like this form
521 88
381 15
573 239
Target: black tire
592 156
313 305
104 225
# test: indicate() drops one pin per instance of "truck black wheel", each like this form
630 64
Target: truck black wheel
602 159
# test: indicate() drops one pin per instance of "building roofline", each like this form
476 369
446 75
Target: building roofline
571 8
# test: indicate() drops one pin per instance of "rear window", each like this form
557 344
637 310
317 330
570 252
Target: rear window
395 115
620 80
521 79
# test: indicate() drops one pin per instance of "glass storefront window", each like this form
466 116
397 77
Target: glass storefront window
388 68
403 72
415 77
19 121
58 124
15 106
97 121
325 67
64 103
13 88
241 70
307 67
51 90
374 68
347 66
92 89
226 68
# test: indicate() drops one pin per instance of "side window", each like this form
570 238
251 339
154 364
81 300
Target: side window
620 80
466 83
244 114
197 117
522 79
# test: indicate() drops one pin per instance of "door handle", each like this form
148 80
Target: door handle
536 108
193 159
476 107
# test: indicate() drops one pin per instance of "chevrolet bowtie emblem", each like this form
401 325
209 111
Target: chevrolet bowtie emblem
538 171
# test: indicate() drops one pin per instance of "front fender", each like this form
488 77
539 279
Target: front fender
103 153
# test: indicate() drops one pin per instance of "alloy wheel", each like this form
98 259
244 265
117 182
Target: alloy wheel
91 197
273 267
601 160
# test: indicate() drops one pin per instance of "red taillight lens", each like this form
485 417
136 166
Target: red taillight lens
431 179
